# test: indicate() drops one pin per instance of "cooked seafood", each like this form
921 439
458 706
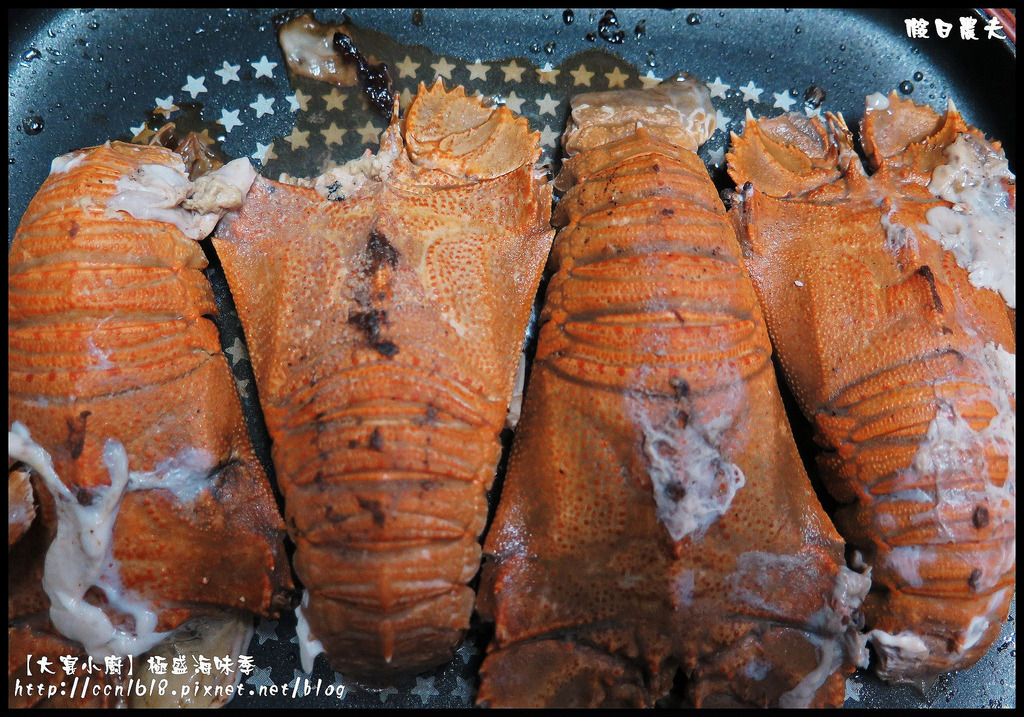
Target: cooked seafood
655 514
124 412
886 299
385 330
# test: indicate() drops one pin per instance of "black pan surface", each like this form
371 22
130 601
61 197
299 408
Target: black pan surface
80 77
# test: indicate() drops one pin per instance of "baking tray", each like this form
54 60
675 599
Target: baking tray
80 77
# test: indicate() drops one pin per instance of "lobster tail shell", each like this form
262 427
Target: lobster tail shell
655 514
385 330
111 354
902 363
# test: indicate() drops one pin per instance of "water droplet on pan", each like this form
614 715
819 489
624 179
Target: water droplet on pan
905 87
693 19
918 76
641 29
33 125
31 54
608 29
550 48
568 17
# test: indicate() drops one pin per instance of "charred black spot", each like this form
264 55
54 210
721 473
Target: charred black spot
374 506
681 386
73 231
369 322
376 78
929 275
681 418
386 348
318 480
668 212
946 330
980 518
674 491
76 433
430 415
657 167
333 517
380 251
974 579
376 441
83 496
353 443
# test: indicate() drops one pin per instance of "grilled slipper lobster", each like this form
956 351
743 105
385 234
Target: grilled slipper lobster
887 300
656 514
385 311
151 512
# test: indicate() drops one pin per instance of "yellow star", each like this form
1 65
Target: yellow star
616 78
513 72
581 76
297 139
547 74
335 100
333 135
407 68
369 133
404 99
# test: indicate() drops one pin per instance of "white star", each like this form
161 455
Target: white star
721 121
478 71
385 693
547 74
369 133
262 106
424 689
228 73
650 80
464 691
260 676
137 130
297 139
165 106
716 157
407 68
751 92
195 85
335 100
237 351
299 101
547 105
515 103
513 72
264 152
443 68
816 112
581 76
333 135
548 137
783 101
467 650
616 78
229 119
266 629
717 87
243 388
264 68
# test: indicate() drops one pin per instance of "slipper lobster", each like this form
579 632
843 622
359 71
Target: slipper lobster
888 298
151 511
385 310
655 515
